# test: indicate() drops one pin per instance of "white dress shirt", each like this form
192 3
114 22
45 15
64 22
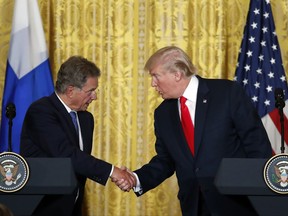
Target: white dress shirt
191 94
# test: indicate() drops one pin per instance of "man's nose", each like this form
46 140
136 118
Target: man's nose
94 95
153 83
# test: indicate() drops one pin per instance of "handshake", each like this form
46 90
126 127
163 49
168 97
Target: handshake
123 178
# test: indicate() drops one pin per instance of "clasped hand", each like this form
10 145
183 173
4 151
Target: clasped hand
123 178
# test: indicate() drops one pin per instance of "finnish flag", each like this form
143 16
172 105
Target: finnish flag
28 74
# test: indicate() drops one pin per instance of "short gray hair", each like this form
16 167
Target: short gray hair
75 71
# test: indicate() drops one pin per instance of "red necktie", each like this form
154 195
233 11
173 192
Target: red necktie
187 124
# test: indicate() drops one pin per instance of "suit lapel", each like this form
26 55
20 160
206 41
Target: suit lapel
200 119
200 112
85 131
65 119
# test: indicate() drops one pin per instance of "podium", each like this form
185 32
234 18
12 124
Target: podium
243 176
47 176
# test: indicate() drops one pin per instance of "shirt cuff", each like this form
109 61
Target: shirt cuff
138 187
112 169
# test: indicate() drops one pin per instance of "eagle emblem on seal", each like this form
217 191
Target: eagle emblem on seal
281 171
9 172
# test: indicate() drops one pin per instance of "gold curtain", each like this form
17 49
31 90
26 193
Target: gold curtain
119 36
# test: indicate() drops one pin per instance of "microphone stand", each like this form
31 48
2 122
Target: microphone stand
10 123
280 109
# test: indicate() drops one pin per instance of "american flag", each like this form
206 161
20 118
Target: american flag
260 70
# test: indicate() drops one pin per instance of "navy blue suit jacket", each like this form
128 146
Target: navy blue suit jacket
226 126
48 131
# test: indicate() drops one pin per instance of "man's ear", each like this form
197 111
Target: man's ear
178 76
69 91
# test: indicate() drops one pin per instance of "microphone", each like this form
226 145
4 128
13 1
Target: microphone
10 111
279 98
10 114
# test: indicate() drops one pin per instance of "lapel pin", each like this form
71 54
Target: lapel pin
204 100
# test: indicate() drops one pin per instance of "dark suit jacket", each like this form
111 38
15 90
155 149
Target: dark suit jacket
48 131
226 126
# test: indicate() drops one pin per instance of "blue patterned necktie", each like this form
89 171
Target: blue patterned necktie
73 115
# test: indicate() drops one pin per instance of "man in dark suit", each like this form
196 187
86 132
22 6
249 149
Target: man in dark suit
48 131
226 125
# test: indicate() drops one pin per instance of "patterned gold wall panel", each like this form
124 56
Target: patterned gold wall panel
119 36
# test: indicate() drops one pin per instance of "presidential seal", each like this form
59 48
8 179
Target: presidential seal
14 172
276 173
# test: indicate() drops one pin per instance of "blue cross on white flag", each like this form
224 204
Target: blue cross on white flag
260 70
28 74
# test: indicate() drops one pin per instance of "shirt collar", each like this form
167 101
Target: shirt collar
191 91
66 107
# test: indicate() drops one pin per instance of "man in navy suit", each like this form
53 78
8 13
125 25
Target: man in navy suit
48 131
226 125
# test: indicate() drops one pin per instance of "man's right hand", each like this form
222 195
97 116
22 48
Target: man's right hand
123 178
